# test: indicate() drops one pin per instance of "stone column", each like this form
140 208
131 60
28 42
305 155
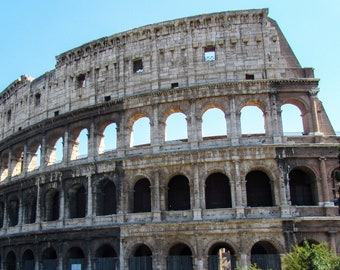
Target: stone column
155 139
10 166
196 188
89 213
314 111
324 182
38 210
92 149
234 128
238 187
67 152
156 198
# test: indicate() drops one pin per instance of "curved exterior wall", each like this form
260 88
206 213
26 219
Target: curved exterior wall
253 194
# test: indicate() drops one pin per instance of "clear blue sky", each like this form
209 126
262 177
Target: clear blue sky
34 32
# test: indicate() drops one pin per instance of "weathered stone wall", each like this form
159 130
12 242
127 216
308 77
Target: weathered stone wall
84 207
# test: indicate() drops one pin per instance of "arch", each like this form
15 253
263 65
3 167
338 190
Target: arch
289 127
52 205
141 259
79 148
142 196
252 120
109 140
302 186
297 109
4 166
75 259
28 262
140 132
178 193
259 191
13 210
217 191
17 161
265 256
49 259
176 127
106 258
57 152
106 198
180 257
30 207
214 123
34 162
221 255
77 201
11 261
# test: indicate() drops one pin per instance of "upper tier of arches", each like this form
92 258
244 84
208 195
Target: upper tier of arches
225 47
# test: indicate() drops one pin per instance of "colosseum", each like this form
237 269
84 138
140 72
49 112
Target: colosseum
91 178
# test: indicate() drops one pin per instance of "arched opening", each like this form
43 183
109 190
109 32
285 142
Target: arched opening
56 154
259 192
140 133
28 260
4 166
76 259
214 123
52 204
49 259
180 257
109 139
106 258
34 163
13 211
17 162
217 191
77 201
142 196
141 259
106 198
178 193
265 256
291 127
79 147
11 261
176 127
336 186
30 208
252 120
221 256
301 185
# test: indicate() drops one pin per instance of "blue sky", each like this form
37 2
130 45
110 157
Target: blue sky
34 32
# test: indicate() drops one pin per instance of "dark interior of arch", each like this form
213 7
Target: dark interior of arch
142 196
106 251
13 211
300 184
215 249
106 198
142 251
75 253
258 189
180 250
11 261
77 201
179 193
30 209
49 254
217 191
263 248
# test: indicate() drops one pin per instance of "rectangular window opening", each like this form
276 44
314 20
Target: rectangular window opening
37 99
81 81
250 76
174 85
107 98
56 113
138 66
209 54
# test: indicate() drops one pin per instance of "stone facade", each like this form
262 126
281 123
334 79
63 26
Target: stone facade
166 204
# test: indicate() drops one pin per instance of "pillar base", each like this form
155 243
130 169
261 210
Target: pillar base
197 214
